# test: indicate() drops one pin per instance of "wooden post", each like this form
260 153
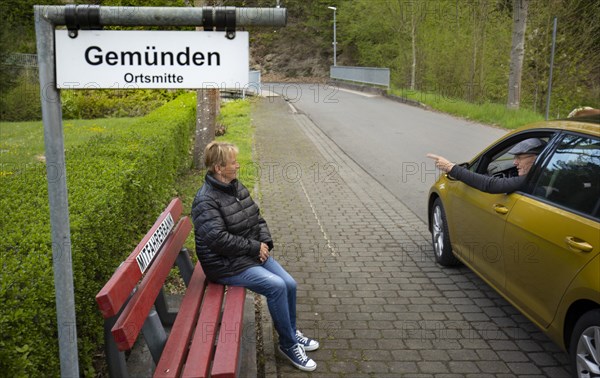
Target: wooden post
204 133
206 116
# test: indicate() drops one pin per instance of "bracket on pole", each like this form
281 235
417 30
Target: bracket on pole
84 17
220 19
230 22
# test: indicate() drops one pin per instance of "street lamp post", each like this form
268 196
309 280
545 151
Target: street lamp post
334 37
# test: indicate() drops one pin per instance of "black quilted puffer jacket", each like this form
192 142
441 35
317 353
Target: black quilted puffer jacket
228 228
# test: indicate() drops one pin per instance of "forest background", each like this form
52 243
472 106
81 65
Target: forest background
457 49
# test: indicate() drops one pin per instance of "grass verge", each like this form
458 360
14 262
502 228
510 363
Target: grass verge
488 113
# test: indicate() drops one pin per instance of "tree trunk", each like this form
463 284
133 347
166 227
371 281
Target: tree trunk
477 88
517 53
206 115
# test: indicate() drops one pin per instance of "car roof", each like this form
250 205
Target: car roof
587 125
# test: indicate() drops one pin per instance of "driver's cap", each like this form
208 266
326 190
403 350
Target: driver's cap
528 146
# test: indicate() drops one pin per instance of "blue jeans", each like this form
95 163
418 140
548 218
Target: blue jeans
272 281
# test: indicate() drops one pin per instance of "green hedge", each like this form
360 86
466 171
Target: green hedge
118 183
20 101
89 104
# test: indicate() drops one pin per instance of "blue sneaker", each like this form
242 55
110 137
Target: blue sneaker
298 358
308 343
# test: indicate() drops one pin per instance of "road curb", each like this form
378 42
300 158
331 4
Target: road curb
377 91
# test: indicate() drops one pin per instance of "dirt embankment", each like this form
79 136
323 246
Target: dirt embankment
287 56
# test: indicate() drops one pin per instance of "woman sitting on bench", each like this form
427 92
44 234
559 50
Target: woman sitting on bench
233 245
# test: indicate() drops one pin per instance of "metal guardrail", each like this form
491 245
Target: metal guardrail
367 75
21 60
253 88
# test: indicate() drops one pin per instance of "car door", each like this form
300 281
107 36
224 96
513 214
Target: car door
554 231
478 218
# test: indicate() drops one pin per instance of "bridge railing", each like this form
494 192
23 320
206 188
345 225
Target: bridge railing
367 75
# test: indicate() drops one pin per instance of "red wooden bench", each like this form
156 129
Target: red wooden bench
205 336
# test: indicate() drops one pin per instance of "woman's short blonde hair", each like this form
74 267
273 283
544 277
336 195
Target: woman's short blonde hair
219 153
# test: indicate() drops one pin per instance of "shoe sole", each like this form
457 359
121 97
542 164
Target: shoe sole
312 348
303 368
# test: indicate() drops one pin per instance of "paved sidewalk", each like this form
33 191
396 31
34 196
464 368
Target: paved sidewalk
368 287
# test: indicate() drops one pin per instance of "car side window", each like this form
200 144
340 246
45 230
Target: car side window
501 163
571 178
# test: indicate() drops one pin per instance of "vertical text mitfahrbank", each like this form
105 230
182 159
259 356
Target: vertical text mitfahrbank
132 59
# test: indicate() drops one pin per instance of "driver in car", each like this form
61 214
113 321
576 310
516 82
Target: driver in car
525 153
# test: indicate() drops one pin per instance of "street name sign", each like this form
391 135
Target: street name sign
138 59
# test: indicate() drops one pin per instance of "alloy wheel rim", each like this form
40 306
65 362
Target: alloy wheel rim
588 353
438 231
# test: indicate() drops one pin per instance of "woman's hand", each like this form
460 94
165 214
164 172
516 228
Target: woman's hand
441 163
264 252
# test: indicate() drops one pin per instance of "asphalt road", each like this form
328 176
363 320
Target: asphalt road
389 139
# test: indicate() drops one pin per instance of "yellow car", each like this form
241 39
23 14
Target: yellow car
539 247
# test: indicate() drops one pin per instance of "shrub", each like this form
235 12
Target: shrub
89 104
118 182
20 101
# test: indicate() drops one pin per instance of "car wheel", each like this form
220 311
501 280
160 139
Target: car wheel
585 345
440 236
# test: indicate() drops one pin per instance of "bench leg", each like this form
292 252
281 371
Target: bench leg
162 308
155 335
117 367
185 265
186 269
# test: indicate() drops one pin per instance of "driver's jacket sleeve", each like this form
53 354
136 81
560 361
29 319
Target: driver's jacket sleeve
486 183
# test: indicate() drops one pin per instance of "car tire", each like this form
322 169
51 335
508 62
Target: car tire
440 237
585 345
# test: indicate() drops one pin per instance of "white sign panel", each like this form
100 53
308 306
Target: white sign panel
152 246
132 59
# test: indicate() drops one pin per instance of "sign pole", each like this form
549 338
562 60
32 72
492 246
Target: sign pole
46 19
551 67
56 173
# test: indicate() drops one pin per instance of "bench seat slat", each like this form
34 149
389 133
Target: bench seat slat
116 291
129 324
225 362
176 348
201 350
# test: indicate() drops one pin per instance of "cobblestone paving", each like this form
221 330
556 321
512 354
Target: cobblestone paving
368 287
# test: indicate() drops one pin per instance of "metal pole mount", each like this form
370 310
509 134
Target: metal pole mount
86 17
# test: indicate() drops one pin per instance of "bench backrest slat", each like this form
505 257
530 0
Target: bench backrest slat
226 359
117 290
171 360
206 333
136 311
